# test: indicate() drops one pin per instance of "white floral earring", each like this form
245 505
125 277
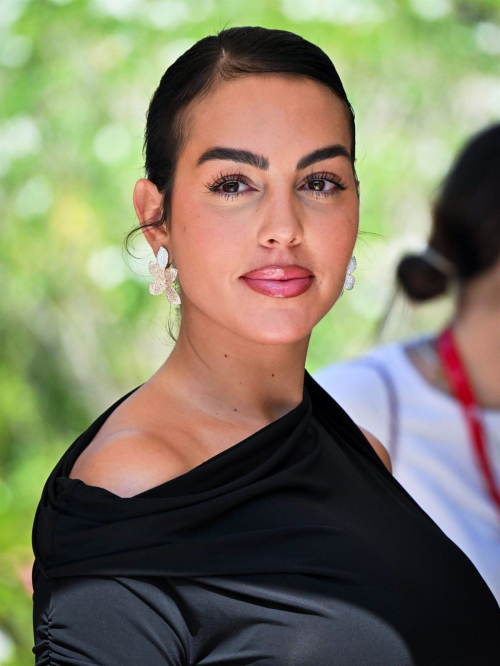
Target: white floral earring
164 277
349 280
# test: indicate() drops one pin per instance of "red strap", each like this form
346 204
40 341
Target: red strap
461 388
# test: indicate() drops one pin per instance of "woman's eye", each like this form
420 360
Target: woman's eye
320 185
231 186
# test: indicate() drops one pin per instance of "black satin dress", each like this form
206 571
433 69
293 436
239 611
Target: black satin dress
293 547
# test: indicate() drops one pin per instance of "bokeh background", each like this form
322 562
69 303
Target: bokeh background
78 325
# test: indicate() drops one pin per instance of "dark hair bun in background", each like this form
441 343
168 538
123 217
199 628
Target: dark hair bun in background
419 280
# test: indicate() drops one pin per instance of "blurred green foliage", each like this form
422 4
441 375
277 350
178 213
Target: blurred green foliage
78 327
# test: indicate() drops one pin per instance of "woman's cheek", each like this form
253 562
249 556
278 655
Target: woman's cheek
204 257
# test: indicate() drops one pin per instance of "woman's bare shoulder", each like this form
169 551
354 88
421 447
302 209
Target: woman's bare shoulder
131 453
128 463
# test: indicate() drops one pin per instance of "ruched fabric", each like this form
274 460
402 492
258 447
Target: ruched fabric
294 546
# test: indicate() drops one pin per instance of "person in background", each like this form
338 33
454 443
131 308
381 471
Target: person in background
434 400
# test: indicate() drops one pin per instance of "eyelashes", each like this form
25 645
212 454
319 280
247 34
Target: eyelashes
226 178
327 177
238 177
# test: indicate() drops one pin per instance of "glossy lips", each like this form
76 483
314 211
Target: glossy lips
279 281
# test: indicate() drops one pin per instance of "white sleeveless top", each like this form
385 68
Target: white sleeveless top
432 456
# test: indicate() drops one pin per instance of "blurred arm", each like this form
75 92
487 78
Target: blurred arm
379 448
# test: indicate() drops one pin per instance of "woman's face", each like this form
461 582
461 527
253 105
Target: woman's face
265 207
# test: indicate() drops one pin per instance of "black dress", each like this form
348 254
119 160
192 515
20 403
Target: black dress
295 546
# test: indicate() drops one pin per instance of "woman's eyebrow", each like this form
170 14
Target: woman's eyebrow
234 155
335 150
262 163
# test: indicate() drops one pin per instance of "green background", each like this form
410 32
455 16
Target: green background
78 326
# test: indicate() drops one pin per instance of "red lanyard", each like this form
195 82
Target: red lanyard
460 387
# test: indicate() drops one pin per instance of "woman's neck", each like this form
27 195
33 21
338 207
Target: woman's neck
234 379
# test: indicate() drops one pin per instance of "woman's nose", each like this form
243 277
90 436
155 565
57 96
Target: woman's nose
281 224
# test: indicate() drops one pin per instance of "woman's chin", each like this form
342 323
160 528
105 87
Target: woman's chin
276 328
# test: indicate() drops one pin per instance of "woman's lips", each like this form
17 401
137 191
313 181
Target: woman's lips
280 288
279 281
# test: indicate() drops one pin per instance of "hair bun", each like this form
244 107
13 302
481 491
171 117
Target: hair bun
419 280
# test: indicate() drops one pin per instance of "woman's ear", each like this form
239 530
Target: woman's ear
148 207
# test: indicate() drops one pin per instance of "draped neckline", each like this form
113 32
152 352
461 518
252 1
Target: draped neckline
184 480
267 492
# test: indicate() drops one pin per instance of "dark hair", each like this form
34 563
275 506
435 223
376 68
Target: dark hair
231 53
466 221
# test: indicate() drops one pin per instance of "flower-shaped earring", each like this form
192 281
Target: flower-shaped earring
163 277
349 280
